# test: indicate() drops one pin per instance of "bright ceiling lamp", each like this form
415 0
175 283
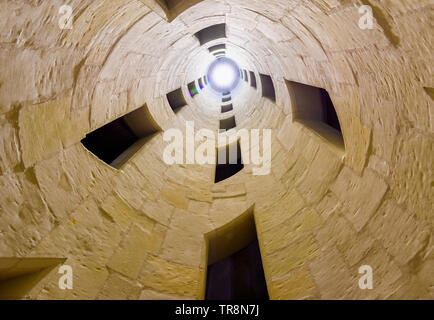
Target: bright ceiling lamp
223 74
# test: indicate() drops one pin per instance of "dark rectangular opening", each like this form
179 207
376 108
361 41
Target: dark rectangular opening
218 47
206 80
226 99
313 104
235 270
211 33
227 124
116 142
192 89
201 84
226 93
268 87
229 162
313 107
241 74
253 79
238 277
219 53
246 79
227 108
176 99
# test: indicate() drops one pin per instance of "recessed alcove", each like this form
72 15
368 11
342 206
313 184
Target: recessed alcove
192 89
226 99
200 81
219 53
211 33
267 87
235 270
116 142
229 161
313 107
227 124
218 47
246 77
176 99
227 108
252 80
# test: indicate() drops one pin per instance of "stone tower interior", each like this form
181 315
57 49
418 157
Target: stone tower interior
334 97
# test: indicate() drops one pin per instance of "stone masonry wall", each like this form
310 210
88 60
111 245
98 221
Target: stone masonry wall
138 232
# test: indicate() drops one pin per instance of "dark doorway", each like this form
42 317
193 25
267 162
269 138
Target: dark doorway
238 277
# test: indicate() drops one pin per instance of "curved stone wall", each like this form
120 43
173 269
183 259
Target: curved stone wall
140 232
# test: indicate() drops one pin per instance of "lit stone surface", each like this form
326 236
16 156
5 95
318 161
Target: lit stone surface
139 232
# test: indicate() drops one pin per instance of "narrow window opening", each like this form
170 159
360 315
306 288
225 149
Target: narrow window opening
313 107
268 87
226 99
211 33
233 163
226 93
116 142
227 124
206 80
235 270
253 79
218 47
227 108
192 89
246 78
201 84
176 100
219 53
18 276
